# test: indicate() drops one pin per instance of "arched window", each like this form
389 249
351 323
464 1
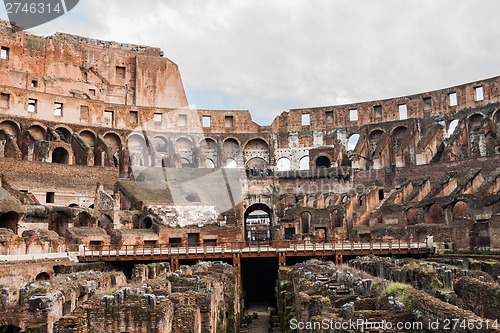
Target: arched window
304 163
452 127
283 164
352 142
305 222
373 139
398 136
231 163
435 214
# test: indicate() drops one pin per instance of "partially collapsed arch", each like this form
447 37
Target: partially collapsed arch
60 155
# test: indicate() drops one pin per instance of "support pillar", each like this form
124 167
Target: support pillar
282 259
237 262
339 259
174 264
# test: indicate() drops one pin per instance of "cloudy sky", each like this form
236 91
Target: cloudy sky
268 56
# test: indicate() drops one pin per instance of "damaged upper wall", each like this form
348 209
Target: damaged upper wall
439 102
68 65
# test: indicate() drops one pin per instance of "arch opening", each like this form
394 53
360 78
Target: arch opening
209 164
160 144
89 138
374 139
208 144
10 329
353 141
10 127
37 132
9 221
84 220
336 219
209 151
304 163
114 144
398 136
452 127
475 122
284 164
64 134
184 148
460 209
59 223
435 214
231 163
255 150
60 156
43 276
137 151
323 162
305 223
231 146
147 223
412 216
258 223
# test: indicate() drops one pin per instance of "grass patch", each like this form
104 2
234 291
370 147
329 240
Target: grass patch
398 291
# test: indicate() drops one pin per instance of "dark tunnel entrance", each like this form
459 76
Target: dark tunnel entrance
258 277
9 329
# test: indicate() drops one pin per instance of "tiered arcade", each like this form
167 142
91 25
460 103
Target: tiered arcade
87 128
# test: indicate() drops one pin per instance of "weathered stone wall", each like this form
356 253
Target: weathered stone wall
71 184
481 297
18 274
315 292
471 290
201 298
39 304
70 65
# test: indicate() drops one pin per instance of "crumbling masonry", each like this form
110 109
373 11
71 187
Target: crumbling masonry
99 148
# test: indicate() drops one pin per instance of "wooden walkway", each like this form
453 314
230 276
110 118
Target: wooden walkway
239 250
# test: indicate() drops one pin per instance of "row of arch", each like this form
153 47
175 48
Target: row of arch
65 146
285 164
374 137
86 147
158 150
483 133
435 214
482 139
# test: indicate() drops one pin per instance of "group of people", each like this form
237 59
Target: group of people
258 172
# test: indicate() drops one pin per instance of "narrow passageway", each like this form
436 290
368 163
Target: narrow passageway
262 323
259 282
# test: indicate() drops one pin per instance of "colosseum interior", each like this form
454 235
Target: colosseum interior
124 210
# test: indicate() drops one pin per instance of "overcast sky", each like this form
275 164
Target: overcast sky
268 56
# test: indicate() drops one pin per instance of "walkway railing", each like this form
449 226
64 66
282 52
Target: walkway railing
39 256
246 249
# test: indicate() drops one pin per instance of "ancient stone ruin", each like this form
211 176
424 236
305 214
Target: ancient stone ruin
124 210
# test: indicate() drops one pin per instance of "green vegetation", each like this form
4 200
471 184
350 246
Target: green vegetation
111 291
398 291
426 278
